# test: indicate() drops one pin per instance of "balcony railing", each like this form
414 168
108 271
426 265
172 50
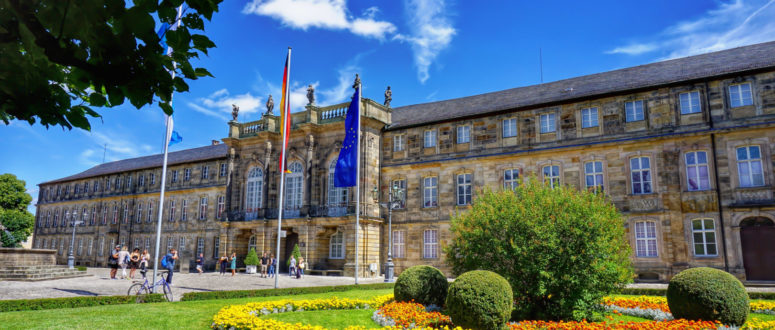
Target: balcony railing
312 211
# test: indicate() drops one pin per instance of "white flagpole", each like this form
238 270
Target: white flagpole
169 124
282 168
358 186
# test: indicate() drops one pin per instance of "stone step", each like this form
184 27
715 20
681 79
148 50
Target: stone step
42 277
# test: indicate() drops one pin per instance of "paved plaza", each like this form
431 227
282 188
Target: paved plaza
98 283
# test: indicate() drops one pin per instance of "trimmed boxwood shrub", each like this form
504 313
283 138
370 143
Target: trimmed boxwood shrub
423 284
210 295
72 302
708 294
480 299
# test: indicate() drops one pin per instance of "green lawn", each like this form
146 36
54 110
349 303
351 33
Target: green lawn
336 319
176 315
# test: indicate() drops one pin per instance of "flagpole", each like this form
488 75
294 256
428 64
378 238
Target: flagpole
282 169
358 185
168 124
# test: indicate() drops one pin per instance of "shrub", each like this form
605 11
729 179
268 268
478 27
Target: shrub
562 250
296 254
708 294
81 268
480 299
252 258
72 302
423 284
210 295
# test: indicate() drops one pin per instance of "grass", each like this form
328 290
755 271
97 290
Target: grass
335 319
176 315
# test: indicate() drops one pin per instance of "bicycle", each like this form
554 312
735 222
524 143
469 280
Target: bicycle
142 289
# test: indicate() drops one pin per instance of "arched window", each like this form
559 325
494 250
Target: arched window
294 183
336 246
252 243
254 189
336 196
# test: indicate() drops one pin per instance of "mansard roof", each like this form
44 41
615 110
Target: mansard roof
176 157
721 63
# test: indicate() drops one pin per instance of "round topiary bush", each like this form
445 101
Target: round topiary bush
708 294
480 299
423 284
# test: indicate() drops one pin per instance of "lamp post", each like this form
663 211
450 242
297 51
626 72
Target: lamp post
395 196
70 257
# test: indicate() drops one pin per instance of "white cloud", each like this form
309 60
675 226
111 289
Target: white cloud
324 14
114 147
219 105
431 32
732 24
343 88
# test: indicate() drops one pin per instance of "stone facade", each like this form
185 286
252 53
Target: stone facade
685 153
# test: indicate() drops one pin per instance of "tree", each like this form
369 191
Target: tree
561 249
296 254
14 200
252 258
59 59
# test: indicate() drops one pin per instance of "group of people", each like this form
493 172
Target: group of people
121 258
297 268
228 263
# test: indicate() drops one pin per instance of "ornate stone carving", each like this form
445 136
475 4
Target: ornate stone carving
234 112
643 204
357 81
388 97
269 105
311 95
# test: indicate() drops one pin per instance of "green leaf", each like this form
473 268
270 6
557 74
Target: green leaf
96 99
166 107
202 72
180 85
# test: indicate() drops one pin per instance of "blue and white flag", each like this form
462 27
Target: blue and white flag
175 138
346 165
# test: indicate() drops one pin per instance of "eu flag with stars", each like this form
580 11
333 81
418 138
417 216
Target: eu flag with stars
346 165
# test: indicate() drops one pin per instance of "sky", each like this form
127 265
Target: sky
426 50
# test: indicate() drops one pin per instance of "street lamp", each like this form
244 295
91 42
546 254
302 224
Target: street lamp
395 196
70 257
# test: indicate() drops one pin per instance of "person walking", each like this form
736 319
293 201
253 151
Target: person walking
272 265
123 261
223 261
300 270
292 268
134 262
200 263
171 257
264 262
144 257
233 263
113 262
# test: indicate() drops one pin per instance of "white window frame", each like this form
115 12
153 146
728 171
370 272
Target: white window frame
200 246
140 214
203 208
646 239
336 196
548 123
150 211
464 189
690 102
398 142
89 248
153 179
186 174
216 246
181 244
174 176
463 134
749 165
254 188
589 117
509 128
294 187
252 243
401 184
141 180
429 138
641 172
336 246
172 210
148 243
205 172
223 170
693 164
184 210
125 211
430 240
595 174
399 244
170 244
552 176
736 97
633 111
430 191
80 246
221 205
703 232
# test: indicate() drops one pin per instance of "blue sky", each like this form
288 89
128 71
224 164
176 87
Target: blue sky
426 50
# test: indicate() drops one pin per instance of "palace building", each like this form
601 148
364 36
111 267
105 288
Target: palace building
684 148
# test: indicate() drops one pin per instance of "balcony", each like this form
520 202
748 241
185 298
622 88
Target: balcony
312 211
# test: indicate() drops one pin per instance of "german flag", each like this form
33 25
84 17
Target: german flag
285 116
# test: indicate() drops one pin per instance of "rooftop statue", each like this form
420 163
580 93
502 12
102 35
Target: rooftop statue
269 105
311 95
388 97
234 112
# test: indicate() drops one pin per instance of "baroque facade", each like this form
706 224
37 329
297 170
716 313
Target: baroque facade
684 148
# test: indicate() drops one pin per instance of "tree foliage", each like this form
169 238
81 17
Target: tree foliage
61 58
296 254
252 258
708 294
561 249
14 216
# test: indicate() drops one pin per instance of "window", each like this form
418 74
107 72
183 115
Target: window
76 189
588 117
80 246
697 171
48 217
399 245
93 219
593 173
170 243
187 174
252 243
141 180
646 239
429 140
125 219
118 183
547 123
552 175
85 216
510 127
107 184
89 247
430 249
336 196
464 189
137 243
401 184
255 189
56 218
216 246
140 213
640 169
221 206
203 208
85 187
150 211
294 187
205 172
704 234
398 142
740 95
115 214
104 215
148 243
67 190
181 244
690 102
749 166
174 176
336 246
222 172
200 246
153 179
510 178
184 210
129 182
464 134
172 211
430 190
96 185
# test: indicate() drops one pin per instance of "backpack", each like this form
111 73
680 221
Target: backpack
164 262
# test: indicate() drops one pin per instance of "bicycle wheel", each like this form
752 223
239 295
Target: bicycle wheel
139 291
167 292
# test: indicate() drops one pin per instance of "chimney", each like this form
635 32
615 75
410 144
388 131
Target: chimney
216 142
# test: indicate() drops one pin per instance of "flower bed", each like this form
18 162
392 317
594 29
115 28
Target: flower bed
409 315
674 324
653 305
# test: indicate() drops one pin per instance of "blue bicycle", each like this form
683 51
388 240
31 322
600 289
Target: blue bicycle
140 290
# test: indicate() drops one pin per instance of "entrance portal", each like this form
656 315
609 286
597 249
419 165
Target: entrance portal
290 241
756 237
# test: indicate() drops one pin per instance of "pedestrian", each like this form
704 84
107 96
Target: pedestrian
144 257
123 261
171 257
264 262
223 261
200 262
272 266
301 267
292 269
233 263
113 262
134 262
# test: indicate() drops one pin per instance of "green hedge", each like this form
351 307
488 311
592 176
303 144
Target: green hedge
71 302
422 284
708 294
663 292
190 296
